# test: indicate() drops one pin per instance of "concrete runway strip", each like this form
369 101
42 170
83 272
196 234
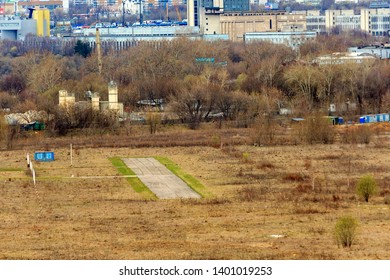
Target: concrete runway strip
161 181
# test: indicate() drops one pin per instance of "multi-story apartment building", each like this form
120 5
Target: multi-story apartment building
20 8
81 2
315 21
342 19
375 21
216 6
235 25
227 5
236 5
105 3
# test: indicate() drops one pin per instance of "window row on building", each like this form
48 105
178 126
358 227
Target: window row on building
215 18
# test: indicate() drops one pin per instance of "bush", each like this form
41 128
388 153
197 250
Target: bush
153 119
366 187
318 129
8 133
82 117
263 131
246 157
357 135
345 231
248 193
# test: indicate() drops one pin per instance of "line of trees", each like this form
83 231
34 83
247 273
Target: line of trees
245 81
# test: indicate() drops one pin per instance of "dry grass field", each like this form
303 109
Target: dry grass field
267 202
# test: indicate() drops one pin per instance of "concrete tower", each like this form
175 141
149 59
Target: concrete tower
66 99
113 96
95 99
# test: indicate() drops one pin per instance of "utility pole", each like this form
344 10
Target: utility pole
123 12
140 12
98 48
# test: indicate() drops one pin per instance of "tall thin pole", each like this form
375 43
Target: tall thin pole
123 13
140 12
99 54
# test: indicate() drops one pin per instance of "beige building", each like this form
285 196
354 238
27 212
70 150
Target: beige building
315 21
375 21
235 25
193 7
343 19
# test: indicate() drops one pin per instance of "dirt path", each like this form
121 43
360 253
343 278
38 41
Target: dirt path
162 182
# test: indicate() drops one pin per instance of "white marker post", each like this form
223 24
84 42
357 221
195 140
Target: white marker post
28 160
33 174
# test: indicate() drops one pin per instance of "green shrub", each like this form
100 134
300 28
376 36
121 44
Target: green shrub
345 231
366 187
246 157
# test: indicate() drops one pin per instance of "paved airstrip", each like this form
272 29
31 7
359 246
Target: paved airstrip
161 181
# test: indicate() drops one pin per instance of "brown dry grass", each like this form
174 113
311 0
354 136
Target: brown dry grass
294 191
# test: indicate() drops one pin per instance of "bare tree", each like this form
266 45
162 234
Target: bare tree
47 74
302 80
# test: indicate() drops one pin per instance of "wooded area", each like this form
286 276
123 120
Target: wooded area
245 80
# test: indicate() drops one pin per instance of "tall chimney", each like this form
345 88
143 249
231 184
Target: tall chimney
30 14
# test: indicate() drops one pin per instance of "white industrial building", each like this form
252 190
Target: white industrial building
343 58
13 28
290 39
380 51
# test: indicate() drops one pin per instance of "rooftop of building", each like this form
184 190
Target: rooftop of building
376 46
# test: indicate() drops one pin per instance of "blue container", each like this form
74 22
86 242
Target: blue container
44 156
